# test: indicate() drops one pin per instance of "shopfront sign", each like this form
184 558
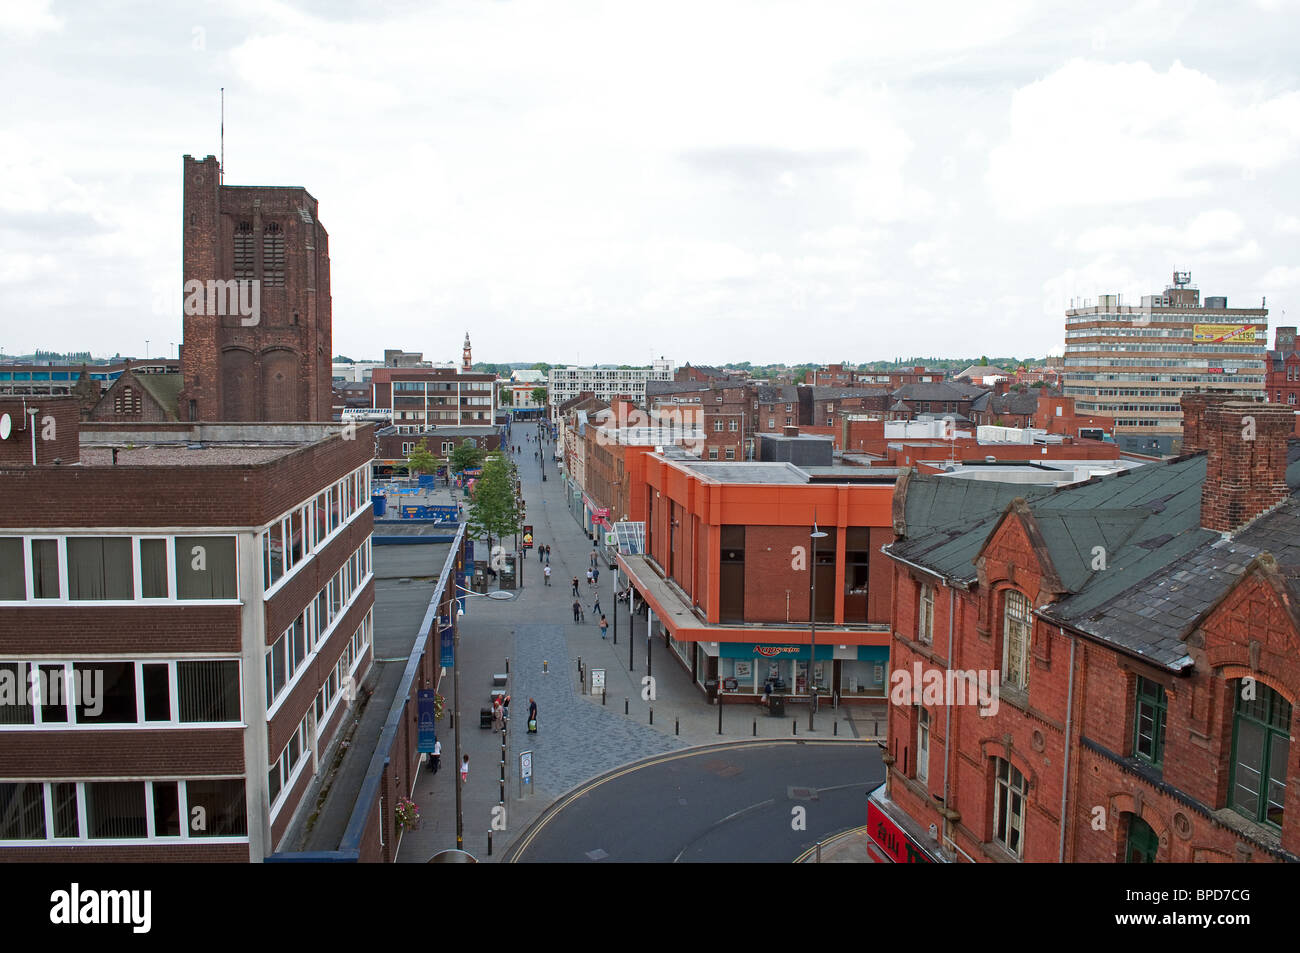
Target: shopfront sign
890 838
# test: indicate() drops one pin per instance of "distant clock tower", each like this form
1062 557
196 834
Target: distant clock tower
467 364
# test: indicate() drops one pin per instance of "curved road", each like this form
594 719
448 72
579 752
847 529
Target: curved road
734 802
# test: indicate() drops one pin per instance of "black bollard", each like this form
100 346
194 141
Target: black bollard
652 715
503 769
719 716
677 726
507 664
489 842
755 727
602 695
503 792
625 706
794 727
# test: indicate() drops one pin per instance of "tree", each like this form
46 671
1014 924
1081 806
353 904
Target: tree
539 395
507 397
494 508
984 360
465 457
420 460
542 366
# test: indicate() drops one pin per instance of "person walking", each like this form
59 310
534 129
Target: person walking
604 623
595 577
595 608
532 717
593 559
548 554
588 577
575 587
436 757
547 573
541 554
464 769
505 707
577 608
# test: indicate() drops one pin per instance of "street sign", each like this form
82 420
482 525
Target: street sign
528 536
597 681
525 773
427 731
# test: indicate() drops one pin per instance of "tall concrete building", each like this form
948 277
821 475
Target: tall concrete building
257 338
1134 362
606 383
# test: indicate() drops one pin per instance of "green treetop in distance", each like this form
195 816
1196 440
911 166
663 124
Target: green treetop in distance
494 508
465 457
539 395
420 460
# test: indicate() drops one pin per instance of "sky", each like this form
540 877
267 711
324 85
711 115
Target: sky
710 181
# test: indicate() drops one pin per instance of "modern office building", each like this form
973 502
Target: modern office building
606 383
1134 362
185 609
422 398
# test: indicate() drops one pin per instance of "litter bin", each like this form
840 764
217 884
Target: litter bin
778 706
711 686
485 717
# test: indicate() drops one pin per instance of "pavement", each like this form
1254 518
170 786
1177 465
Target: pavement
578 737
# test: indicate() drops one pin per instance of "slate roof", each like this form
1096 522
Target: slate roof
1009 403
656 388
164 388
940 390
981 371
778 394
835 393
1162 570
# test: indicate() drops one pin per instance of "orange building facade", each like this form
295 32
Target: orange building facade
725 576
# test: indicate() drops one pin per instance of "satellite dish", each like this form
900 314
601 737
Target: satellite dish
6 427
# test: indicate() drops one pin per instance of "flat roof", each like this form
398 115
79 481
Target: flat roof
749 472
180 455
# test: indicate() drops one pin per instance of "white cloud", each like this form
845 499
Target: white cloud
24 19
1100 134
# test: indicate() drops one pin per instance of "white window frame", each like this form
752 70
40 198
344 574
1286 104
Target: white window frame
922 744
925 615
1002 791
1023 632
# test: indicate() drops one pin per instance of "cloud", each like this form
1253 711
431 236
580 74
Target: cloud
1099 134
1217 228
24 19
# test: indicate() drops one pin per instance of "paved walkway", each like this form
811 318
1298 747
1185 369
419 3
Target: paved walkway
578 738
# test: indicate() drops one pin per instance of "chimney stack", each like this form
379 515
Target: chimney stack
1194 406
1245 469
790 431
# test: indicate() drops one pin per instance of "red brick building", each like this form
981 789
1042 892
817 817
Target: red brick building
1141 633
720 409
275 364
726 575
185 610
1282 372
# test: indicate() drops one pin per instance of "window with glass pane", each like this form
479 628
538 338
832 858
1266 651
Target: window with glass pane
1009 806
153 568
274 670
273 782
922 744
205 567
105 692
166 809
54 684
115 809
22 811
298 641
1149 722
1143 842
45 568
925 615
15 684
222 801
208 691
272 557
99 567
13 570
1260 747
1015 640
156 678
64 794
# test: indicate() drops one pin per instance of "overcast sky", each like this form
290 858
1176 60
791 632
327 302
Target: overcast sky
612 181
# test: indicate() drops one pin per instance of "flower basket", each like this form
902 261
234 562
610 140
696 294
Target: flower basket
408 814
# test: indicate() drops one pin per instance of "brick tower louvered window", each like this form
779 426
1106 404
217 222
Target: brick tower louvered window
244 262
273 256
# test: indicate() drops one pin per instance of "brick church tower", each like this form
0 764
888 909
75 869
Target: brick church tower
272 365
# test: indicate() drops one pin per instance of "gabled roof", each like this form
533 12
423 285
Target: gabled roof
1011 402
938 390
163 388
835 393
656 388
981 371
777 393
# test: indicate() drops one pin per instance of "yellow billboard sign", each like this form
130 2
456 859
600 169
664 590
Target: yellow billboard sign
1223 333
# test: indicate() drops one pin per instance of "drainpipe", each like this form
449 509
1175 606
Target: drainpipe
947 719
1069 730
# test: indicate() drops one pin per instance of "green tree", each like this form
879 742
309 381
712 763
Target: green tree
539 395
494 508
542 366
984 360
420 460
507 397
465 457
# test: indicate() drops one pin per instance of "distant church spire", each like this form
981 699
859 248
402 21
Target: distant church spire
467 363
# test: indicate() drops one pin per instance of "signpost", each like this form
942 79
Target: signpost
597 681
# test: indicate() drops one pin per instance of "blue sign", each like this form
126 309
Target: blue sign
448 647
427 730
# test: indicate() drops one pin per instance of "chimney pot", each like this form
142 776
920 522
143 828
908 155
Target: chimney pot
1245 470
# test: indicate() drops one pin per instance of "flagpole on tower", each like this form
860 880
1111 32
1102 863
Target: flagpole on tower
222 175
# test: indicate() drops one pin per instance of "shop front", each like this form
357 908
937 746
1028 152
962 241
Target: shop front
897 835
853 671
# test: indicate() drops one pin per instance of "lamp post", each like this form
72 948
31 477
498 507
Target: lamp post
815 535
500 595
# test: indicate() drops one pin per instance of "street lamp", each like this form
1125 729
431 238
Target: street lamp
815 535
500 595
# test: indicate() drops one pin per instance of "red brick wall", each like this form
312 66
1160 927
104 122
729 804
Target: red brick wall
190 853
58 419
127 630
99 753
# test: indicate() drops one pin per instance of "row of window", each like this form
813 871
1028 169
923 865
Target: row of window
1154 362
100 692
1197 348
288 655
72 811
1237 380
1261 718
307 527
117 568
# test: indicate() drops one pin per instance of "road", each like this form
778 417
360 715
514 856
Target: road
749 802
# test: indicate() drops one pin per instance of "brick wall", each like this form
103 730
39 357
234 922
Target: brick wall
56 431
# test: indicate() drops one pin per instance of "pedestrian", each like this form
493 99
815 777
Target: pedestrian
589 577
595 577
604 623
575 587
541 553
593 560
532 716
595 609
436 757
498 717
464 768
505 707
547 573
548 554
577 608
582 613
